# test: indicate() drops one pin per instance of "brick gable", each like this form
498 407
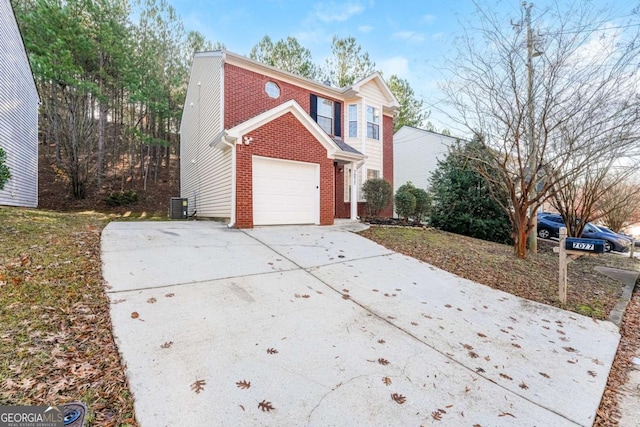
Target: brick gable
283 138
245 97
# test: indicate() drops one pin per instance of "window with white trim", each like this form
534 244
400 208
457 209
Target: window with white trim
272 89
325 115
373 123
373 174
353 120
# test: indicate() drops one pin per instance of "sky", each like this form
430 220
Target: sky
413 39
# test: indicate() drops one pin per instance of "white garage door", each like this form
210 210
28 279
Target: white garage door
285 192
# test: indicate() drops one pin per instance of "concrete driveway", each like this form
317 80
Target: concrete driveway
293 326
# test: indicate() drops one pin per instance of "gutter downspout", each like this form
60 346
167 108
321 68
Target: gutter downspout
231 144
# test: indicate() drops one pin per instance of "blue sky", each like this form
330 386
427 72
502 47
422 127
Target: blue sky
409 38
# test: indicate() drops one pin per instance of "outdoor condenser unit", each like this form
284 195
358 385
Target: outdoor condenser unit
178 208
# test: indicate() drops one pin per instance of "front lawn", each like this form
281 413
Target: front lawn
55 330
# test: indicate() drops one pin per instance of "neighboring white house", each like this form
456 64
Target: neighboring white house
18 114
415 155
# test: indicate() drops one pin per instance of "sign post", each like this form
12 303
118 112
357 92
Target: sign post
571 246
562 291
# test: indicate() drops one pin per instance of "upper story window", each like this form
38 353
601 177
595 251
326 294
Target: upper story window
373 174
327 114
353 120
373 122
272 89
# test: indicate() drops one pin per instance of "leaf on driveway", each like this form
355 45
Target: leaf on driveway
168 344
272 351
383 362
243 384
198 386
152 300
265 406
386 380
398 398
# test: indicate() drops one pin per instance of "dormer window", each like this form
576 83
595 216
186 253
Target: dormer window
327 114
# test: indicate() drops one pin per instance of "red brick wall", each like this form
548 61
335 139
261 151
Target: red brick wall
282 138
244 95
342 208
387 158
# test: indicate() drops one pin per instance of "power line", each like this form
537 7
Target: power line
587 30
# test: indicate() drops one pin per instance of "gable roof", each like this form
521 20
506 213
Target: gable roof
350 91
382 86
335 150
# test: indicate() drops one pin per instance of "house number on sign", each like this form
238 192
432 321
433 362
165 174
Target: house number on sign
583 246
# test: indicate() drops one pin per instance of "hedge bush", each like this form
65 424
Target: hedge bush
121 198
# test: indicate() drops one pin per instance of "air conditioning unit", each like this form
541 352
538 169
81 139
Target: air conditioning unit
178 208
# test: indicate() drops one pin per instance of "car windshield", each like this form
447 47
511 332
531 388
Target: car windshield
595 227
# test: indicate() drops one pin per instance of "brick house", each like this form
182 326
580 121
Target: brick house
261 146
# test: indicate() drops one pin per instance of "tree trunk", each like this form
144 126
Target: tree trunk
522 231
102 122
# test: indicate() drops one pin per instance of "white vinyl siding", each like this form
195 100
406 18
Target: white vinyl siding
205 172
373 96
18 115
415 155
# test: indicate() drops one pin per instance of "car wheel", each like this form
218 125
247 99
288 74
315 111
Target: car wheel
543 233
607 246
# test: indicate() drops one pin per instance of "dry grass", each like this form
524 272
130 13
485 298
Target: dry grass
55 329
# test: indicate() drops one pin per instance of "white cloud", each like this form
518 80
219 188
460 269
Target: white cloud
398 65
428 19
365 28
334 12
409 36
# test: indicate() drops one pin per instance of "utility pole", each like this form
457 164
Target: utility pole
532 163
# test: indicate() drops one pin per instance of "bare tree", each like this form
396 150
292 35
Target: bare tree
594 194
549 105
619 205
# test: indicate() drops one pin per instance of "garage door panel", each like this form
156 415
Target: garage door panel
285 192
